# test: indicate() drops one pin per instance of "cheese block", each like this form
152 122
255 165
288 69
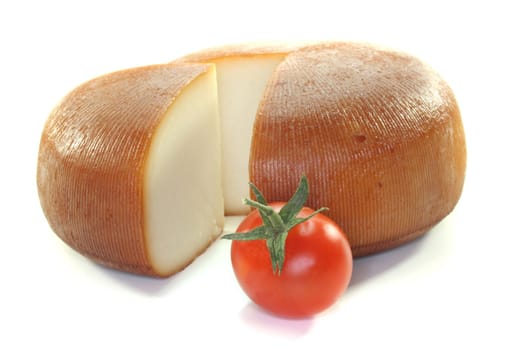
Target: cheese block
378 134
137 168
129 168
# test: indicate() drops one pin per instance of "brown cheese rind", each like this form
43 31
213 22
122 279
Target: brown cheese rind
91 161
378 134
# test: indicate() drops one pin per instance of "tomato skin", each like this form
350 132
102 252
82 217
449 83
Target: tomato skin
316 271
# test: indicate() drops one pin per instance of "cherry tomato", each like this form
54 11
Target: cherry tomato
316 271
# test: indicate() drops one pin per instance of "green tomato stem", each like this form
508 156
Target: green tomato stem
277 223
276 226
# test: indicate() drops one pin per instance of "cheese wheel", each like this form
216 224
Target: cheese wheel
137 168
378 134
129 168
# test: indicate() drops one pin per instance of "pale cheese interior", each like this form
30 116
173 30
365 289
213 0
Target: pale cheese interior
241 83
183 194
197 169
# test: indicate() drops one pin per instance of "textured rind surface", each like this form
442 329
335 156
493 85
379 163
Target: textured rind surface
377 133
91 161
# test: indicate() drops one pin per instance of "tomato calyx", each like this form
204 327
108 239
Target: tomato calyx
276 226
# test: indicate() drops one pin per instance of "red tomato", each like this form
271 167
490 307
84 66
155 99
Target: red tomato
316 272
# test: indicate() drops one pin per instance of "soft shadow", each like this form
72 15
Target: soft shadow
100 273
205 265
143 284
369 267
289 328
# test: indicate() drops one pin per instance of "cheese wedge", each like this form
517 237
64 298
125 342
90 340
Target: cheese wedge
129 168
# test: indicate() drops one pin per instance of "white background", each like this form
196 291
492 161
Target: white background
460 286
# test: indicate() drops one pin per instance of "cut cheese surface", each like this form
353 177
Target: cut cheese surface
183 194
241 82
110 151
